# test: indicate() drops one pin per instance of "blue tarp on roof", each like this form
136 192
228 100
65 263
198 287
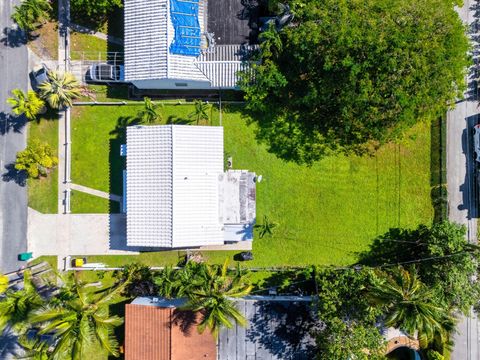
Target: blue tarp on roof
184 15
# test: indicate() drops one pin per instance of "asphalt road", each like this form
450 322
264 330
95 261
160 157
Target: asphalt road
13 192
462 179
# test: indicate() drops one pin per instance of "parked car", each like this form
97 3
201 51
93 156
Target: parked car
103 72
476 142
40 75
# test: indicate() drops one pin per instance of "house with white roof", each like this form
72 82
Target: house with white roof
177 193
185 44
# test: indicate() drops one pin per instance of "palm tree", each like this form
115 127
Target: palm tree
213 297
30 13
80 320
16 306
60 89
29 104
3 283
150 113
33 348
266 228
200 112
410 305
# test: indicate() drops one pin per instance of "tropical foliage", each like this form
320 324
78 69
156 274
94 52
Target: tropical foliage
411 306
94 12
350 322
200 113
36 159
31 13
209 290
17 305
348 76
452 265
214 297
60 89
265 228
150 113
78 319
29 104
139 278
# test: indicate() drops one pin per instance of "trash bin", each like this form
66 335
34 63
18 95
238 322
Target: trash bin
79 262
25 256
246 256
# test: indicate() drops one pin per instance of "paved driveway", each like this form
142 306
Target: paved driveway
13 196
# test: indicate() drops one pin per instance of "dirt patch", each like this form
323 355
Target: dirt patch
45 44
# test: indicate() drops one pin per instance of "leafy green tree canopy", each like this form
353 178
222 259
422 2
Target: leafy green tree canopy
350 322
30 13
448 262
93 12
29 104
347 76
36 159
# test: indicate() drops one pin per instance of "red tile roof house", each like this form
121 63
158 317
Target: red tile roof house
279 328
155 330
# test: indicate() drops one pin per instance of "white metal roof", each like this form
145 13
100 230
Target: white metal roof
173 187
148 35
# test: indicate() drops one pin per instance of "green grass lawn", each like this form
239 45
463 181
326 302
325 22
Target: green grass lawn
89 47
83 203
96 160
326 213
42 193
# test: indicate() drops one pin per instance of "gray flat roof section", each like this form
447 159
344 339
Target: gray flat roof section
277 330
231 22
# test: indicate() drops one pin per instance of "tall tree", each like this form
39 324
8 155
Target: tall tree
60 89
80 320
150 113
29 104
214 297
200 111
30 13
446 261
17 306
411 306
352 75
36 159
94 12
350 322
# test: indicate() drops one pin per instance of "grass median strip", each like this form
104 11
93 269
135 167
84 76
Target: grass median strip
43 192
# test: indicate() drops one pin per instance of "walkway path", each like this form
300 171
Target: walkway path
94 192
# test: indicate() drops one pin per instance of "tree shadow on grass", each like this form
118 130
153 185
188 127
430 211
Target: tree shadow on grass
175 120
12 174
395 246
